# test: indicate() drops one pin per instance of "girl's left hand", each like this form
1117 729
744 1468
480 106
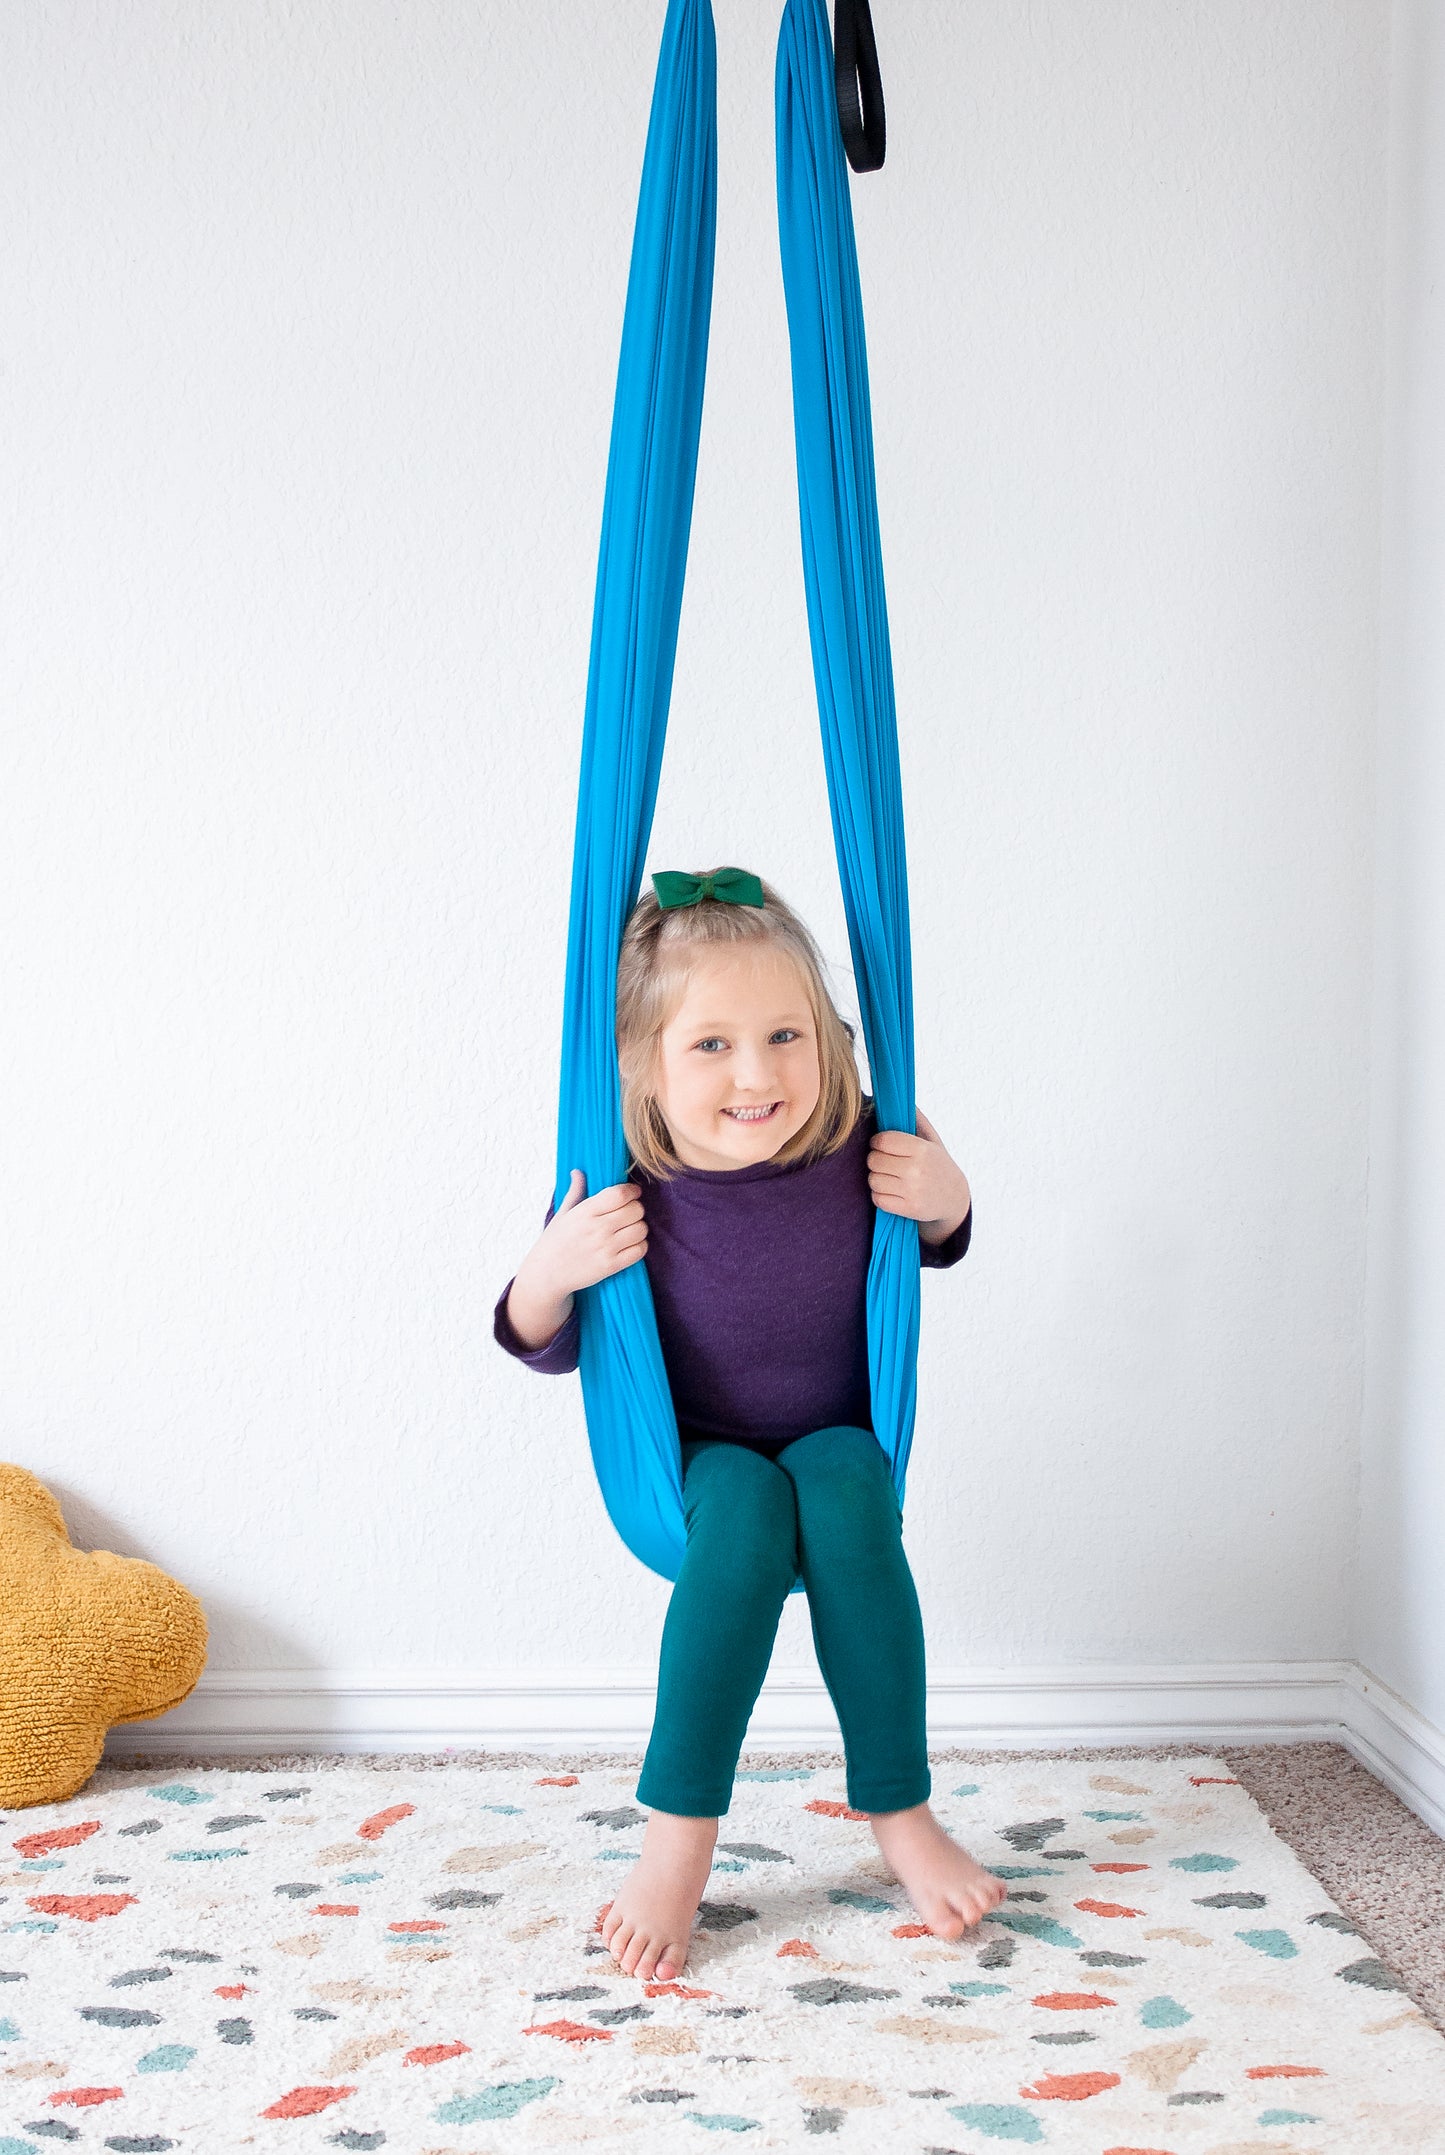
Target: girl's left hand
916 1176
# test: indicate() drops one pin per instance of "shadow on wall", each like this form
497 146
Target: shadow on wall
241 1636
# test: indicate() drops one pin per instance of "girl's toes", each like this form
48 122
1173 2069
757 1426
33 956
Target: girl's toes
620 1940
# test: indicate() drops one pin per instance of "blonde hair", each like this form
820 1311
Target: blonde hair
660 947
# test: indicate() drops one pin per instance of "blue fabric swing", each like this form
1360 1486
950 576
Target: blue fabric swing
652 467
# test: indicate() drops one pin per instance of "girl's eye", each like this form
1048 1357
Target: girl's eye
714 1042
784 1033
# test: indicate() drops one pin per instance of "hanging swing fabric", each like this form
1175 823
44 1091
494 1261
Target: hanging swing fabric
651 472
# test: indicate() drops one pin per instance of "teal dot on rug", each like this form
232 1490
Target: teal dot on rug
1111 1817
1021 1870
359 1878
721 2122
177 1792
205 1855
776 1773
18 2147
1000 2121
508 1810
1204 1863
1163 2013
1277 1944
1288 2117
9 2033
503 2101
980 1990
965 1788
170 2058
868 1904
1044 1928
42 1863
34 1923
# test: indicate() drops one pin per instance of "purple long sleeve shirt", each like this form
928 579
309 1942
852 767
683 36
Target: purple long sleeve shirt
759 1277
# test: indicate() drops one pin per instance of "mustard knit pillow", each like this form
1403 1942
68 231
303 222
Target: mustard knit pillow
85 1641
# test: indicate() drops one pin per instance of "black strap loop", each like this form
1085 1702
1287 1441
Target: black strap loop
860 86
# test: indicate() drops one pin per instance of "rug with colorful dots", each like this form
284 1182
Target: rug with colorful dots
362 1959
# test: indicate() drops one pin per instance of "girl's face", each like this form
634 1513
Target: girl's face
738 1061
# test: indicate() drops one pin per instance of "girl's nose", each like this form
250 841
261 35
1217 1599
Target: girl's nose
753 1070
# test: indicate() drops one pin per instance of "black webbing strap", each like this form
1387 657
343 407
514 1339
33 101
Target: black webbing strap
860 86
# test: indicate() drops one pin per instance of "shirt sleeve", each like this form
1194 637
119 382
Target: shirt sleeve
560 1355
938 1256
557 1359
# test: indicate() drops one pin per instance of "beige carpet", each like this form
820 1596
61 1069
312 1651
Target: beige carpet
1375 1859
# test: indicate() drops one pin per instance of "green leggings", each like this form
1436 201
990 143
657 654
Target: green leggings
825 1507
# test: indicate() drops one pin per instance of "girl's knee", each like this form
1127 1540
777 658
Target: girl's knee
833 1457
842 1476
741 1503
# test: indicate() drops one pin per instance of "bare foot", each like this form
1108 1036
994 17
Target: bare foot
949 1890
648 1926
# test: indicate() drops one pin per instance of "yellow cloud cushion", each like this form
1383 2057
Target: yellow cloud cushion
85 1641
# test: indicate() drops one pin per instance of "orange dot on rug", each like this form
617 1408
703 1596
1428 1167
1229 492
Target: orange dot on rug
305 2102
570 2031
371 1829
1069 2087
85 1907
42 1844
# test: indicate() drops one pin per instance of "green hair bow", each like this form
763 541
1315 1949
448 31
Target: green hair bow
729 886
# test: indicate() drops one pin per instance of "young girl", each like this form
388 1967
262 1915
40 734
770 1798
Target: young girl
757 1164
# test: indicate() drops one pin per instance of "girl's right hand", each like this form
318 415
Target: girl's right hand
589 1238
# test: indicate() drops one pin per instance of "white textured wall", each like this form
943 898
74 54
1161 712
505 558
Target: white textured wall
1401 1625
310 321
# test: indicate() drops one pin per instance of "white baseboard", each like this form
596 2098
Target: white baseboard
240 1713
244 1712
1400 1746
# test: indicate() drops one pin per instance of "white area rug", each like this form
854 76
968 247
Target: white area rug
359 1959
